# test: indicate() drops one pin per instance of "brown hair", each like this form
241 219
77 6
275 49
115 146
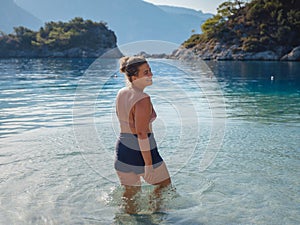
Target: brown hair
130 65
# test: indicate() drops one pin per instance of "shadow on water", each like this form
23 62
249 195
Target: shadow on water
158 218
155 218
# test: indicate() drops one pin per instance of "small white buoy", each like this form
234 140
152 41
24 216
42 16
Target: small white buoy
272 77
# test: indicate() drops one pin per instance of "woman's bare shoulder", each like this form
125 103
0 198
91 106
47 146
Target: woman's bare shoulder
122 90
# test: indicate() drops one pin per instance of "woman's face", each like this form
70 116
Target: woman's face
144 77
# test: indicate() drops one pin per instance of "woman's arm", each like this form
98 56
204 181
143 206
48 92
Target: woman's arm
143 109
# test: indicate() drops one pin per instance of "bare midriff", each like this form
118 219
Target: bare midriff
128 126
131 130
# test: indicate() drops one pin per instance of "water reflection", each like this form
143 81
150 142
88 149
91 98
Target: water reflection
46 177
260 91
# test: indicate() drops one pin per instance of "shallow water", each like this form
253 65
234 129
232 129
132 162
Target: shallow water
232 146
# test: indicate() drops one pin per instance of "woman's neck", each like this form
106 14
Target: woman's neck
137 88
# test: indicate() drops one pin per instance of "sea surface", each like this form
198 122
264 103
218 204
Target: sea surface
229 133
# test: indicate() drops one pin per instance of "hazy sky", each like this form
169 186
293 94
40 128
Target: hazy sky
207 6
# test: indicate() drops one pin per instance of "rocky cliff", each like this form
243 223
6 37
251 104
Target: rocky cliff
255 30
224 52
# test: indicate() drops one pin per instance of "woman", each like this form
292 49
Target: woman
136 151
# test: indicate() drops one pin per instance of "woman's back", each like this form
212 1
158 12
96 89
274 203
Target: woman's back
125 107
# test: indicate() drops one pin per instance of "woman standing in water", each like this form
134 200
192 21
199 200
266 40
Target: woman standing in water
136 151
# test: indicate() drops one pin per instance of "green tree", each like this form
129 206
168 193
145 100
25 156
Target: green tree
255 25
211 26
24 36
230 8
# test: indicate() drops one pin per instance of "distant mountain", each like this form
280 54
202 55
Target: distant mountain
131 20
190 17
186 11
11 15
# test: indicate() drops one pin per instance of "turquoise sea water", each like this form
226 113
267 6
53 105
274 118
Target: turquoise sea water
231 142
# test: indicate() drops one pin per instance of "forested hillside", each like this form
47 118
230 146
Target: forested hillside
75 38
242 28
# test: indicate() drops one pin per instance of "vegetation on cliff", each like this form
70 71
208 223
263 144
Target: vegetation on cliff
83 35
251 26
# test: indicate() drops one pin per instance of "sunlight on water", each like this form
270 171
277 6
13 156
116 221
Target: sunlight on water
57 144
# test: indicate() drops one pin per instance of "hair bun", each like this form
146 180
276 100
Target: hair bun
123 63
127 61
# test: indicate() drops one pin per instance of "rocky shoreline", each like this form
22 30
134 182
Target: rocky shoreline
220 52
68 53
181 53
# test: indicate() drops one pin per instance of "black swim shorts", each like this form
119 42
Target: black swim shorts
129 157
